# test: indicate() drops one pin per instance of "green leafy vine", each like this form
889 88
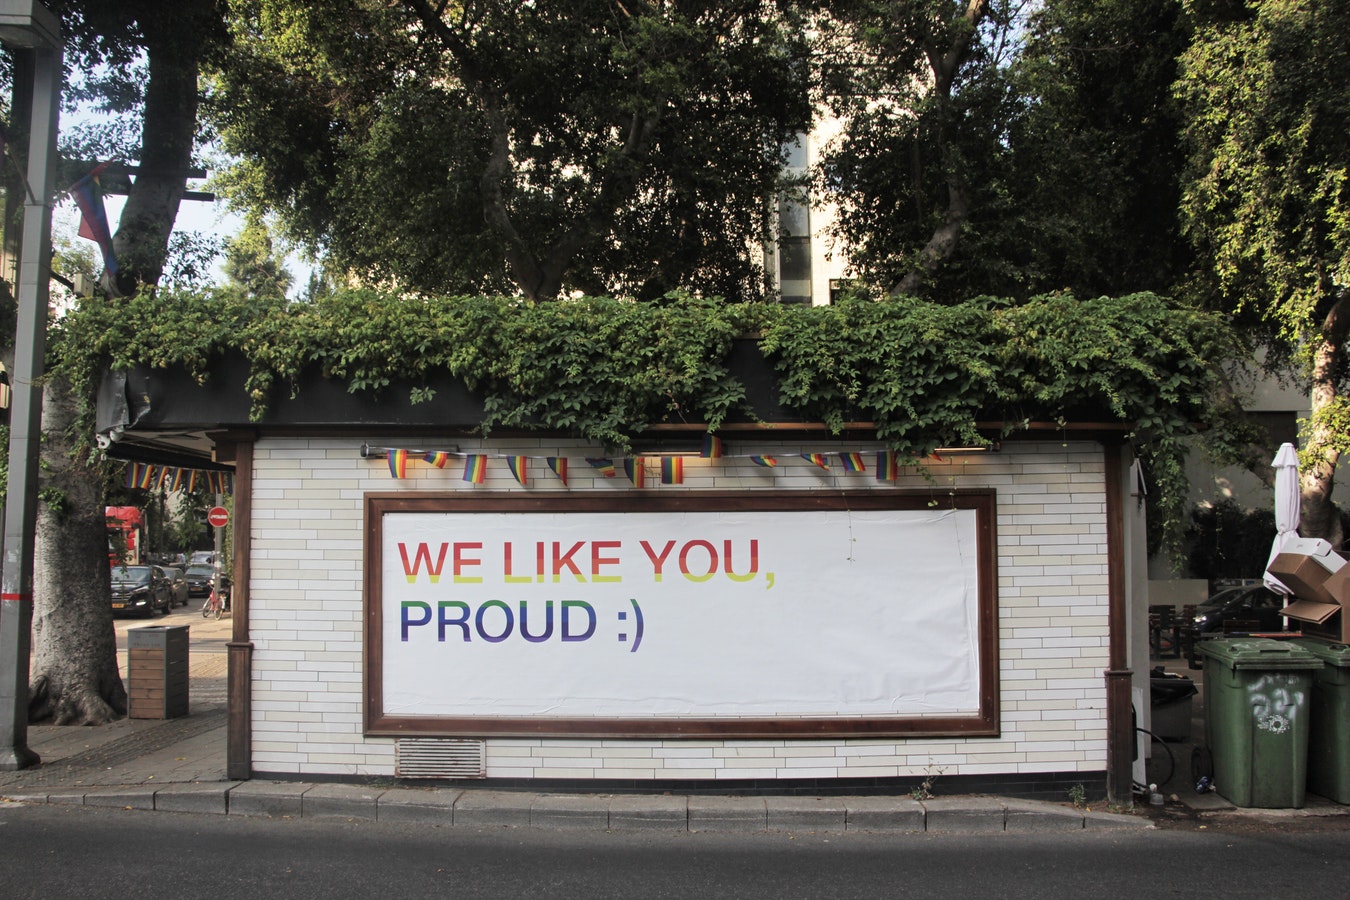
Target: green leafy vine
922 374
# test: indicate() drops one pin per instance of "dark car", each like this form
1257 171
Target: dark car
1254 603
199 579
141 590
178 583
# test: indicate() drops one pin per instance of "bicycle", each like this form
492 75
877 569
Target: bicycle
214 605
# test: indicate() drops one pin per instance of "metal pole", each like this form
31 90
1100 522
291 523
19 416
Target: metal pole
16 580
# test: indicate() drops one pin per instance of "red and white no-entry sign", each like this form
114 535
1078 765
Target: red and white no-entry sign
218 516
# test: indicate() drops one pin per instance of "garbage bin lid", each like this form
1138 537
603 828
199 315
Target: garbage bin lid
1332 654
1259 653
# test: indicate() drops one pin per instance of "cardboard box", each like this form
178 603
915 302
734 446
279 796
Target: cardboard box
1338 585
1335 629
1304 575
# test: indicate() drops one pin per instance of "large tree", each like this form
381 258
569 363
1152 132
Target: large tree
1266 89
1007 148
601 146
917 87
74 678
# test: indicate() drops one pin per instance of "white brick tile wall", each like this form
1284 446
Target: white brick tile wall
306 608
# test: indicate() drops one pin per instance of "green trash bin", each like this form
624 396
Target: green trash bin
1256 700
1329 721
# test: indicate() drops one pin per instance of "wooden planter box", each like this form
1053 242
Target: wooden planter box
157 672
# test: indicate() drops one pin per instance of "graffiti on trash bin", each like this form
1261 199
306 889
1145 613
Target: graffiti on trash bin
1274 700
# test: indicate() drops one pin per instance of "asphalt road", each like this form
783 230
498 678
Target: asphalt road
59 852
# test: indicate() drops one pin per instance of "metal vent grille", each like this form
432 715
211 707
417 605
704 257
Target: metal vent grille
439 758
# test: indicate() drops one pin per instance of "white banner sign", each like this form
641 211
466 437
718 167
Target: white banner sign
781 614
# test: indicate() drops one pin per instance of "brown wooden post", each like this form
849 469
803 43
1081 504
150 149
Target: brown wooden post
238 448
1119 677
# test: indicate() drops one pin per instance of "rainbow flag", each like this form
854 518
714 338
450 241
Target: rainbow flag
672 470
852 462
88 194
191 480
888 466
767 462
475 468
517 466
437 458
163 477
636 470
559 466
817 459
179 477
602 464
712 447
398 463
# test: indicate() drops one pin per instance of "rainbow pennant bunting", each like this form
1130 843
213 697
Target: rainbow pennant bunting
602 464
517 466
559 466
672 470
133 474
475 468
817 459
767 462
888 466
852 462
636 470
712 447
398 463
437 458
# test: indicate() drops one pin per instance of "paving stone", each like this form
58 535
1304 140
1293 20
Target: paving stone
884 814
67 797
411 806
649 813
487 808
1114 820
1026 816
806 813
965 815
728 814
340 801
274 799
131 797
195 797
570 811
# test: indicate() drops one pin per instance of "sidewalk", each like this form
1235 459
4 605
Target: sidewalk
178 765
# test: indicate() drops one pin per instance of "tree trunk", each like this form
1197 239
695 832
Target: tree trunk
1319 516
142 239
75 679
945 61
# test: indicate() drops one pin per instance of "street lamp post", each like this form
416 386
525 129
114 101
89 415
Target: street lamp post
27 26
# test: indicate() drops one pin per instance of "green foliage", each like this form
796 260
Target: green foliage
254 265
554 148
1266 89
925 374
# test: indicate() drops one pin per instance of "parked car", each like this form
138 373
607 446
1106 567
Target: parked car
178 583
141 590
199 579
1250 603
